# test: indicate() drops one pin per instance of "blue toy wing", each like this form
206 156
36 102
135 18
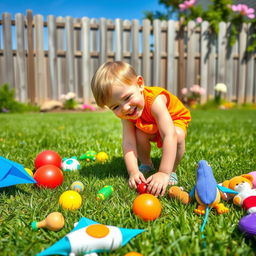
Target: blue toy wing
226 190
12 173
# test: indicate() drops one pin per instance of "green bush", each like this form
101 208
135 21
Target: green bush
9 104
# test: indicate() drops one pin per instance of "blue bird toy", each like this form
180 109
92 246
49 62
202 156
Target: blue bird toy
207 192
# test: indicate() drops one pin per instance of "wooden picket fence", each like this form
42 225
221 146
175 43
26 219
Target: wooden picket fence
44 59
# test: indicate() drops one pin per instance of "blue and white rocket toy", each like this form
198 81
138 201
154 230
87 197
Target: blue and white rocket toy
90 237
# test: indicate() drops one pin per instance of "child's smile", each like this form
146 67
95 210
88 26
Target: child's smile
127 102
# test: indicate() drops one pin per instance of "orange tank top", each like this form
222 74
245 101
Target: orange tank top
177 110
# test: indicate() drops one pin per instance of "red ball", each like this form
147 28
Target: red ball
48 176
142 188
48 157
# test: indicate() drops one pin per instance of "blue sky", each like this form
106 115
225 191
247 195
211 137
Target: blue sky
110 9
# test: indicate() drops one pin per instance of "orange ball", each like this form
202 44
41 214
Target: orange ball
133 254
147 207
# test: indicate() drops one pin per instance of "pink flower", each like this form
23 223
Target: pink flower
195 88
187 4
244 10
199 20
88 107
184 91
202 91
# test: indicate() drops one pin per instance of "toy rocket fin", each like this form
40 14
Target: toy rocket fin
87 244
128 234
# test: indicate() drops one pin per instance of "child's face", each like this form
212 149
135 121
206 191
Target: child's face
127 102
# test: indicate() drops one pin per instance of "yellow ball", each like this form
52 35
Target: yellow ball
29 172
102 157
70 200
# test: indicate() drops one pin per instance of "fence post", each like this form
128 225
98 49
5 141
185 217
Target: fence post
30 63
8 56
181 60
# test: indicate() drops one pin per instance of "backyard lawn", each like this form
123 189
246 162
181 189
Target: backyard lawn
226 139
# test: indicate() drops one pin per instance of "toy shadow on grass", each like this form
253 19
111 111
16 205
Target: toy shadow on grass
113 168
13 191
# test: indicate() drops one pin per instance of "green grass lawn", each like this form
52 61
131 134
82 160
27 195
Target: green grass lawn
226 139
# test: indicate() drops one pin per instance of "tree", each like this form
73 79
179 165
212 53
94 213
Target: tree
218 11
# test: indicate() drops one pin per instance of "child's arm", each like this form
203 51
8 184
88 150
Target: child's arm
157 183
130 154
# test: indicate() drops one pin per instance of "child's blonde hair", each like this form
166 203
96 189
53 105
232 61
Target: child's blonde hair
108 75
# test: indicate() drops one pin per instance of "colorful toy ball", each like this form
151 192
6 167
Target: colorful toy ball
133 254
102 157
78 186
47 157
89 156
29 171
48 176
70 200
54 222
70 164
147 207
142 188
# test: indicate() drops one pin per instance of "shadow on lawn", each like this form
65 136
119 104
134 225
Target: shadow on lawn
13 191
114 168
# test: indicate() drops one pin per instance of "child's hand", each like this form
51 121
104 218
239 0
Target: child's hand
157 183
135 179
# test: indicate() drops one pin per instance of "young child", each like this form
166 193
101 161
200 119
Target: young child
148 114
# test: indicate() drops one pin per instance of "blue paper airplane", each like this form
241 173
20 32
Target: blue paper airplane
89 236
12 173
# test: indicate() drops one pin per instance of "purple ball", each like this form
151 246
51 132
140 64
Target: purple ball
248 224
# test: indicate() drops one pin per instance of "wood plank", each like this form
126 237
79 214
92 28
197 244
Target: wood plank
8 58
146 52
77 61
95 46
40 74
103 40
110 37
242 64
61 67
221 59
127 38
191 48
157 52
250 80
181 60
30 61
135 45
204 60
21 82
72 86
118 40
163 51
212 45
52 58
229 55
85 35
171 67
